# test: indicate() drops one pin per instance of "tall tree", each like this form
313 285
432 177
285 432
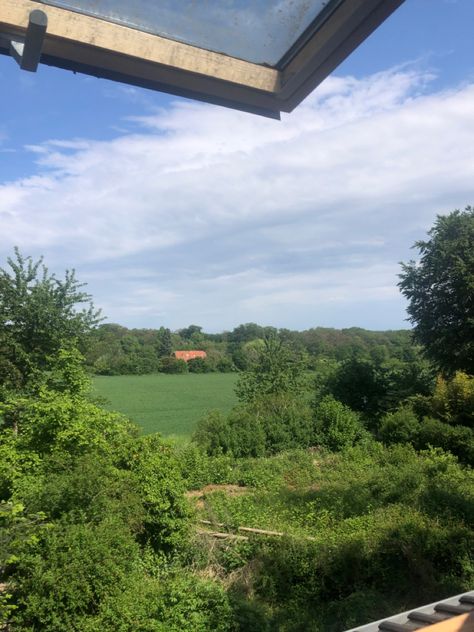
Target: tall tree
39 316
276 370
440 291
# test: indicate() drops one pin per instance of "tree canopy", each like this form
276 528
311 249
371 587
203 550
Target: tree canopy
39 316
440 291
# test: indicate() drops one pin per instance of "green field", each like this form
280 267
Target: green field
169 404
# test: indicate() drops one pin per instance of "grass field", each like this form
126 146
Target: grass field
169 404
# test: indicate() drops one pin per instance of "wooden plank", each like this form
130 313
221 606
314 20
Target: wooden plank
121 40
221 536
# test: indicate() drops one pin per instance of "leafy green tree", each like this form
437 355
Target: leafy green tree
192 333
374 387
440 291
453 400
39 316
164 346
277 370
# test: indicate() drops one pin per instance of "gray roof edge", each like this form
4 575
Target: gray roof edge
403 616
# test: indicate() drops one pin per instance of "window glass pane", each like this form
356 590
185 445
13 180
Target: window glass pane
260 31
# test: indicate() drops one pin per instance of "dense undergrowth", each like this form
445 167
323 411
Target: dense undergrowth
367 487
367 532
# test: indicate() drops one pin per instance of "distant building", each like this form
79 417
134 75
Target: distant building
189 355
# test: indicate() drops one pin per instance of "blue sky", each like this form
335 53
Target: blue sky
176 212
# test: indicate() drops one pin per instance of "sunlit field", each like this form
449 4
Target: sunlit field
168 404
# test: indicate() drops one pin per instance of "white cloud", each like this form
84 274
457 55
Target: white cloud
218 217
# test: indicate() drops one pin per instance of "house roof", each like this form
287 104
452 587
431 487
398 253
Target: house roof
455 614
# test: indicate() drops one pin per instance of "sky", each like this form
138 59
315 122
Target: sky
176 212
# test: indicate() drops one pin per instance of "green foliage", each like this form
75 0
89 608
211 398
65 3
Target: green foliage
397 556
199 365
277 370
370 531
62 575
164 346
212 433
453 400
247 436
285 420
198 470
264 426
401 426
373 386
173 365
38 318
440 290
165 525
336 426
459 440
59 422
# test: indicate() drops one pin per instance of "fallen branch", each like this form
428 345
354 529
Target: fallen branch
278 534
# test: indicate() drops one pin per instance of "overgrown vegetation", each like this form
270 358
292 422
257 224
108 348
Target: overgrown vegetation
340 496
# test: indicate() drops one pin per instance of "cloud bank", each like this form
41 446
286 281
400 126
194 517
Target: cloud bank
216 217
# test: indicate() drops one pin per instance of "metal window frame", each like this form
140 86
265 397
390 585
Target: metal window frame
96 47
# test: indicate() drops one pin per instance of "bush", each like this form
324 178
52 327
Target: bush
265 426
458 440
286 422
173 365
198 469
336 426
199 365
401 426
63 573
247 436
166 520
391 558
212 433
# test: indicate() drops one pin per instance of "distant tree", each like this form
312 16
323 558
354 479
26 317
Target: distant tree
190 332
39 316
440 291
276 370
372 387
164 345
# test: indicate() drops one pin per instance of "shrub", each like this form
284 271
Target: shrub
246 434
286 421
173 365
198 469
166 520
401 426
212 433
199 365
458 440
336 426
64 572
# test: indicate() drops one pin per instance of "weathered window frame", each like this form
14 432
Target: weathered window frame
96 47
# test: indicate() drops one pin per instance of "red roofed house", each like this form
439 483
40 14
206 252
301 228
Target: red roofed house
189 355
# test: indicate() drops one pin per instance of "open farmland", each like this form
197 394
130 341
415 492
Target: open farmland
169 404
